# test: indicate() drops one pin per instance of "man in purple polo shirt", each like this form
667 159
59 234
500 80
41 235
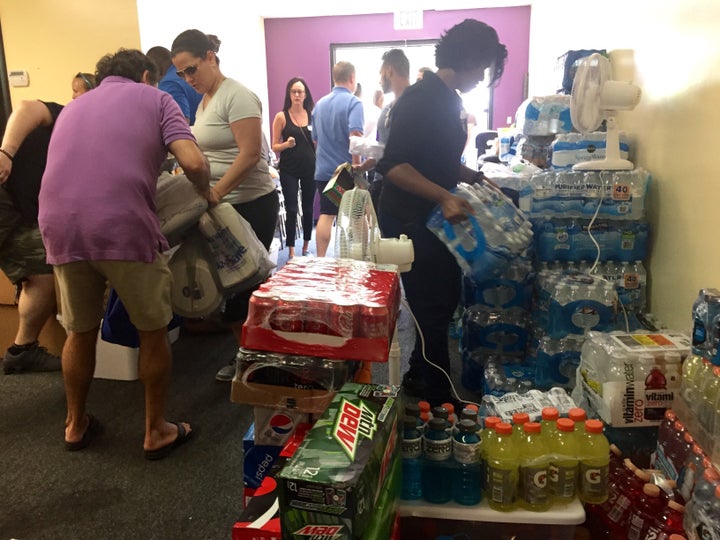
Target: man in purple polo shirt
98 222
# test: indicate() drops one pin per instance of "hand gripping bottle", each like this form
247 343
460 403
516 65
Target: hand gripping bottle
411 453
594 463
467 487
436 473
503 463
564 464
534 490
644 511
670 521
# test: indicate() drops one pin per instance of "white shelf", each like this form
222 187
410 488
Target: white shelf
558 514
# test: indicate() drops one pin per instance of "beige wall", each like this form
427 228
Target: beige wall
671 48
52 40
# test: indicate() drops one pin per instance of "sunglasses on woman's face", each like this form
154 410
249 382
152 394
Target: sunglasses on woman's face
188 71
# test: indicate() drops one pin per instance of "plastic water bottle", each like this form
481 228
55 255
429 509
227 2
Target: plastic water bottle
710 393
594 463
644 511
564 465
697 511
669 522
534 490
503 463
411 453
467 487
437 468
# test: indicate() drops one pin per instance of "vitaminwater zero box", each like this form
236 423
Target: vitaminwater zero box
330 487
630 380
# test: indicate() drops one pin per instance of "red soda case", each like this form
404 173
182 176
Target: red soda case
287 316
317 317
260 310
373 322
343 318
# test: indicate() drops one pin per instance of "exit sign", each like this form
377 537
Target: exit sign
409 20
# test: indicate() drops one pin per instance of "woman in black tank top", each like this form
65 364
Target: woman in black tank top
292 141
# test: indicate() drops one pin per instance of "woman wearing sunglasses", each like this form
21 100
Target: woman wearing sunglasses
228 129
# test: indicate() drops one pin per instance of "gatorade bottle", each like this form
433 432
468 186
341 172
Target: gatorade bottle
669 522
452 417
631 491
616 461
411 453
502 469
488 434
550 415
564 464
594 463
645 510
518 419
534 491
413 410
442 413
436 473
467 487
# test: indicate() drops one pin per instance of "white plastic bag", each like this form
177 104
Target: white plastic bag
241 260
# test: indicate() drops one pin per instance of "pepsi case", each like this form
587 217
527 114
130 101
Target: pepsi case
274 427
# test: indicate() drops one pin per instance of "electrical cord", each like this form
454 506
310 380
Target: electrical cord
593 268
422 349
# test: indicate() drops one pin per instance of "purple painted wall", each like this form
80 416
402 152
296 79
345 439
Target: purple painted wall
301 47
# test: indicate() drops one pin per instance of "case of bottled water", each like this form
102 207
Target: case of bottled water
580 303
486 243
571 148
566 194
557 361
511 289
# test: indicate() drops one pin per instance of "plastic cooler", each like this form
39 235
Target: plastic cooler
425 521
338 309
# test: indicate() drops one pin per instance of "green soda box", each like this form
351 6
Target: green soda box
329 488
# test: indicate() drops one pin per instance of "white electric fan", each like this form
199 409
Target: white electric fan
357 235
594 98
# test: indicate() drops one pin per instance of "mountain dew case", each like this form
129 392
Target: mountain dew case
330 487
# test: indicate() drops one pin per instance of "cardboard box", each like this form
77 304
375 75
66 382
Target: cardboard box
260 520
294 384
341 181
332 484
120 363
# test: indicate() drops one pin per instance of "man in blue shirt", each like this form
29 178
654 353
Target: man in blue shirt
336 117
184 94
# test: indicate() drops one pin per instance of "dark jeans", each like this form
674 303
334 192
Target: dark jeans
432 289
262 214
290 185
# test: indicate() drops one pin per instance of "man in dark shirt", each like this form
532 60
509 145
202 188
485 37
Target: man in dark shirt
421 164
22 256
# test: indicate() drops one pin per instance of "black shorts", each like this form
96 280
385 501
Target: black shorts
326 205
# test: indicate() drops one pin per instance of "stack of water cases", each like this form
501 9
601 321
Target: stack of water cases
491 248
591 239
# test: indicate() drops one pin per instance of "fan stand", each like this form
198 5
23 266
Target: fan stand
612 161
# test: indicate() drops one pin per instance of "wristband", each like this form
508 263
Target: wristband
8 154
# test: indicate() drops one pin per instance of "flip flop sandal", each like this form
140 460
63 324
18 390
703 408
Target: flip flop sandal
94 428
183 436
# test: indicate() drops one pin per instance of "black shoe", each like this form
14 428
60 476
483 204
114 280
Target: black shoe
35 358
